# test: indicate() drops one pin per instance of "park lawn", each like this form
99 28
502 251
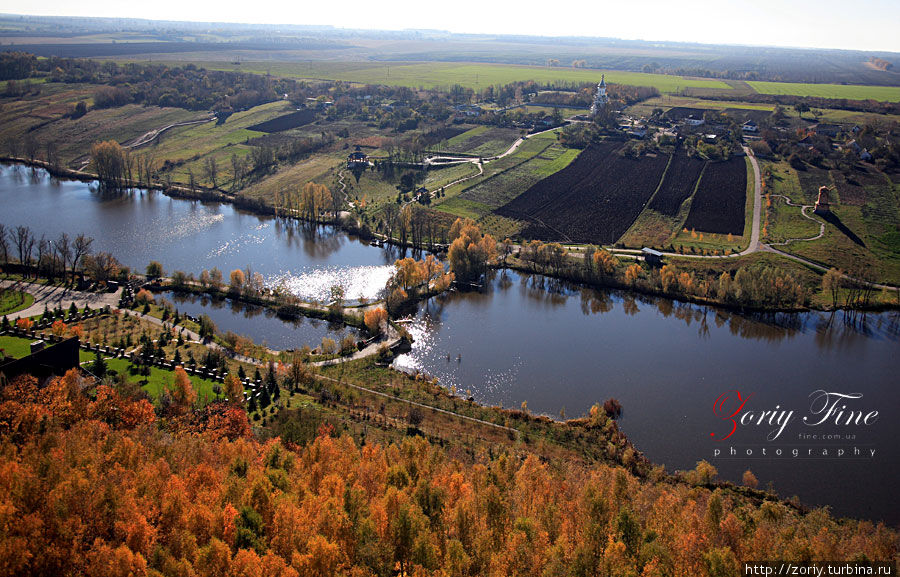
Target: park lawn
470 75
849 91
45 116
122 124
782 221
188 145
15 347
669 101
13 301
876 224
500 227
159 379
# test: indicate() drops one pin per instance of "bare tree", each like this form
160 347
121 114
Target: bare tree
4 243
237 169
24 241
102 267
211 170
31 147
44 248
80 249
13 146
63 248
52 153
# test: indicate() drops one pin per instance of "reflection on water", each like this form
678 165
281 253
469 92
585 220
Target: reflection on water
140 226
561 346
259 323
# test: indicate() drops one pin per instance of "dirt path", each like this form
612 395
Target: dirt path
803 208
415 404
149 137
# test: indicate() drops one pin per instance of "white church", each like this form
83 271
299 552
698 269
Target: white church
600 99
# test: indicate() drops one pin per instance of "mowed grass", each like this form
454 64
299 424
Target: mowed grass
160 380
780 220
875 250
850 91
12 301
470 75
15 347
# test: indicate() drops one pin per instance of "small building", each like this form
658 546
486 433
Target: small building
750 126
822 204
357 158
829 130
693 120
652 257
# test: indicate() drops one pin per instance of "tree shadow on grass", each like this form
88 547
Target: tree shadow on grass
832 218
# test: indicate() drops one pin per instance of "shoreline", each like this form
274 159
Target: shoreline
206 195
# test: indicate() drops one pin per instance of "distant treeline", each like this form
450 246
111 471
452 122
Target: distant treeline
788 100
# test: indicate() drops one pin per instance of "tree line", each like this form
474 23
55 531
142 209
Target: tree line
195 493
61 258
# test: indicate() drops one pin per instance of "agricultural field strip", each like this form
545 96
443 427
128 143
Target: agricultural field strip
715 207
852 92
446 74
581 215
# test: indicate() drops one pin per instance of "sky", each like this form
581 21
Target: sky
857 24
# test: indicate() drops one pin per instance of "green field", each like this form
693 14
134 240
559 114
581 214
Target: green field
159 379
866 235
15 347
481 141
445 74
12 301
782 221
853 92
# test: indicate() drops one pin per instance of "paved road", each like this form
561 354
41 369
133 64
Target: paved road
757 205
53 296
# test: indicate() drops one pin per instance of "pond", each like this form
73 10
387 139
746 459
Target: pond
140 226
259 323
562 348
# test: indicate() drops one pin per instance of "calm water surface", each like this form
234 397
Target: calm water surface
557 346
141 226
563 348
259 323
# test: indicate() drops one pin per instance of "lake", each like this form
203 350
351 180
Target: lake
560 347
141 226
556 346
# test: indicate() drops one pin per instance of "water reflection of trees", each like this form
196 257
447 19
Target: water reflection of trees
844 328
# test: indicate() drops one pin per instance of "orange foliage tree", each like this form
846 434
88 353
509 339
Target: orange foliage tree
375 320
182 390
